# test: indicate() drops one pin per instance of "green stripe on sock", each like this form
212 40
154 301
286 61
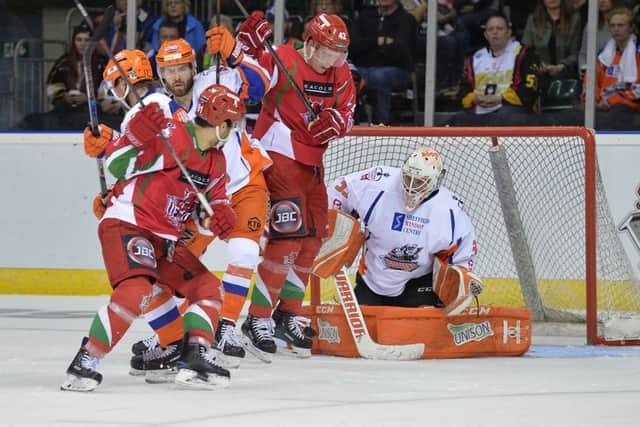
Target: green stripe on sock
195 321
291 291
98 332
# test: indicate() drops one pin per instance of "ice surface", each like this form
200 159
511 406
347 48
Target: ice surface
558 383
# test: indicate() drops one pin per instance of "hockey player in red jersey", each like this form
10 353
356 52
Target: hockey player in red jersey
296 140
146 216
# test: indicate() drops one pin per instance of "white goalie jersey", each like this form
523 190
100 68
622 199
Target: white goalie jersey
401 245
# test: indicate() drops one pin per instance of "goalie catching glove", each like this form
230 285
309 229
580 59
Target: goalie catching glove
95 145
253 32
220 41
145 125
455 285
341 247
328 126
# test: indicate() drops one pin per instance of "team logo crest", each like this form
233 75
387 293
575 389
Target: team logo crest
404 258
179 208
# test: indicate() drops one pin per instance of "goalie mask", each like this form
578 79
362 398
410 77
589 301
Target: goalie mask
218 104
421 176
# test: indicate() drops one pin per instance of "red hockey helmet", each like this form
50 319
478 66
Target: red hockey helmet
217 103
329 31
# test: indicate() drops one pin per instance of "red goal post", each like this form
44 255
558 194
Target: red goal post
545 234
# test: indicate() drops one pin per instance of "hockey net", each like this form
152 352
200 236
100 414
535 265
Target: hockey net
546 238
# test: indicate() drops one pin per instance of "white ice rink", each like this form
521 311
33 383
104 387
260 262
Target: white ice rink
554 385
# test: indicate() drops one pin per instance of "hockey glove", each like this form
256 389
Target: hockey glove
99 207
253 32
223 220
328 126
145 125
220 41
95 145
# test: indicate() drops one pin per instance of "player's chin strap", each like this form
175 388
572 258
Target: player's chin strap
221 140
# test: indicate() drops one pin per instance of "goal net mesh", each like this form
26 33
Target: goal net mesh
548 175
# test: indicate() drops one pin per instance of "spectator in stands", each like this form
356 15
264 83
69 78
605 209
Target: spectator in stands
166 31
602 35
117 33
618 74
451 43
500 82
293 26
471 15
189 28
553 30
382 47
66 85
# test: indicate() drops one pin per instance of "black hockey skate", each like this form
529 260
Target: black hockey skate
158 365
289 330
200 368
145 344
82 374
229 344
303 322
258 337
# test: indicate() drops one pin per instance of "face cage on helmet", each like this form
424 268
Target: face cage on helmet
417 189
325 56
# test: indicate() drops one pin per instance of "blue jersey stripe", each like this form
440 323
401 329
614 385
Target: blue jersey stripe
165 319
235 289
373 205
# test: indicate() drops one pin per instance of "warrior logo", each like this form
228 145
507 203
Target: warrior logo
404 258
179 209
467 332
328 332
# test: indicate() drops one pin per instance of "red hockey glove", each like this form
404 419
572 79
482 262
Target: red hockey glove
223 220
253 32
328 126
220 41
145 125
95 145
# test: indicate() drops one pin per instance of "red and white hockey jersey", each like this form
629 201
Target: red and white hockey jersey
400 245
282 124
151 191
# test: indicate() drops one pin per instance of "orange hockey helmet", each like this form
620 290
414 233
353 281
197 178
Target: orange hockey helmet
176 52
329 31
134 63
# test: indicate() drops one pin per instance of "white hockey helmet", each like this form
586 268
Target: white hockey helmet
421 175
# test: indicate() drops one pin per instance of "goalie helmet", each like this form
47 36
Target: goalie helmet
217 104
421 175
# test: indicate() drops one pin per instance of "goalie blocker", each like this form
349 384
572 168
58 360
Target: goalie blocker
455 331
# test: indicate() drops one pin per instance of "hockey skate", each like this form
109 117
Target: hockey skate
229 344
290 335
257 337
158 365
145 344
303 322
82 374
200 368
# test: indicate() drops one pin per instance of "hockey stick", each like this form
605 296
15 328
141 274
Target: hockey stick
283 69
368 348
218 55
203 200
98 34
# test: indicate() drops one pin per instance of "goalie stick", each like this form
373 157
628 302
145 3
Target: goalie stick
203 200
367 347
98 34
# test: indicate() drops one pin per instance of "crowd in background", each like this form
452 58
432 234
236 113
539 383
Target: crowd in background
498 62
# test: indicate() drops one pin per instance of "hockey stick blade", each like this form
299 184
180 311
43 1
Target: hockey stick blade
368 348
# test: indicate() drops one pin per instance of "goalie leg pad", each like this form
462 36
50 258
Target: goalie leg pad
341 247
455 286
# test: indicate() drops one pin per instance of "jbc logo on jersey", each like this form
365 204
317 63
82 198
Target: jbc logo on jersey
286 217
140 252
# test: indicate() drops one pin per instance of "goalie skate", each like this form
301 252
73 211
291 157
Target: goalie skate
82 374
200 369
